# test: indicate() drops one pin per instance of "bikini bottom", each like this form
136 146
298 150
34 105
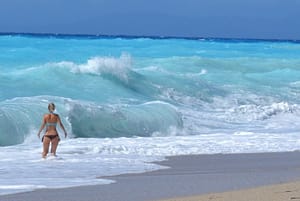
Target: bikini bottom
51 137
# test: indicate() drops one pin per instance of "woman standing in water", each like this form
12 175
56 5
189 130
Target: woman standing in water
51 135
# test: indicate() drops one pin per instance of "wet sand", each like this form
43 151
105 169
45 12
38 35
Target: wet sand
187 176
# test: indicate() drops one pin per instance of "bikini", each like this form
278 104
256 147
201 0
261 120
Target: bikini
51 137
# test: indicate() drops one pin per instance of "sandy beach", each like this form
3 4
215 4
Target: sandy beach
279 192
190 176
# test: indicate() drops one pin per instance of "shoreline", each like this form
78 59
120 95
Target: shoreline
189 175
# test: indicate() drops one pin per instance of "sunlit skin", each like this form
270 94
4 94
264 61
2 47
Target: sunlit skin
51 135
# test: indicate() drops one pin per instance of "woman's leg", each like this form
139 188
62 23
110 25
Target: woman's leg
54 144
46 144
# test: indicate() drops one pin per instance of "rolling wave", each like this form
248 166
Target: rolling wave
21 117
123 121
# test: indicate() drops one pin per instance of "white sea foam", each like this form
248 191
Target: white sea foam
118 67
81 161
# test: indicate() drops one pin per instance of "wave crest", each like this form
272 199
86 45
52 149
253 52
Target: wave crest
119 67
255 112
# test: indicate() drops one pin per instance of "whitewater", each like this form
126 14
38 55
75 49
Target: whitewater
127 102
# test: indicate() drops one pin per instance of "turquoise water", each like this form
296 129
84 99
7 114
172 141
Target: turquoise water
123 87
130 101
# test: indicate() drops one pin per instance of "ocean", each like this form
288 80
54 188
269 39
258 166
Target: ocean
129 101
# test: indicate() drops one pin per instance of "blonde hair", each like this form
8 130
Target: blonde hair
51 107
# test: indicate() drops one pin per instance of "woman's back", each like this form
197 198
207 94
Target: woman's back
51 121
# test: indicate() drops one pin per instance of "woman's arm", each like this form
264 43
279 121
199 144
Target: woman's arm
62 126
42 126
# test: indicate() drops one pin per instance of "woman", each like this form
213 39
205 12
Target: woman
51 135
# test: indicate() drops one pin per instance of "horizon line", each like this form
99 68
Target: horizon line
97 36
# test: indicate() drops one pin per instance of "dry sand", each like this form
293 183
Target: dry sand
280 192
